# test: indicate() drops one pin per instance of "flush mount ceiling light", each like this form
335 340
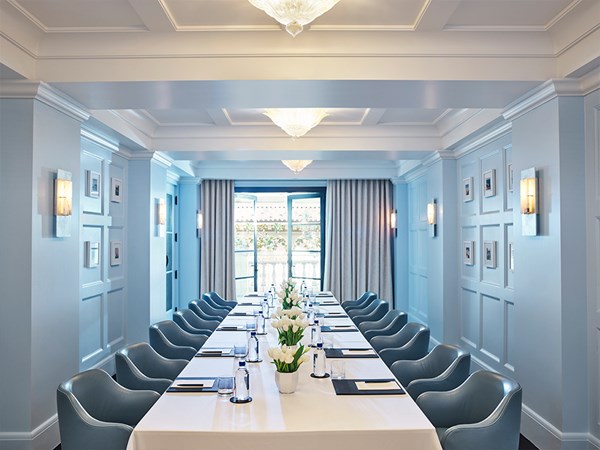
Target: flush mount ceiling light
294 14
296 165
296 121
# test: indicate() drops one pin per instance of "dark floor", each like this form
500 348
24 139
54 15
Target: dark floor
524 444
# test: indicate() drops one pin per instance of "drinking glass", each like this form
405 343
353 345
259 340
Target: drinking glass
225 386
338 369
239 350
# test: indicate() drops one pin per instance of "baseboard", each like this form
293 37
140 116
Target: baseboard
44 437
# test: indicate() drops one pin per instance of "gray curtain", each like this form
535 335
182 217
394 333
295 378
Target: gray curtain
358 243
217 266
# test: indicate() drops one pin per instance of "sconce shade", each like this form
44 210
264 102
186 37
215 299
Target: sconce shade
528 195
394 220
162 212
199 220
63 197
431 213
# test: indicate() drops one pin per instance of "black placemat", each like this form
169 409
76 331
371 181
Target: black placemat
335 316
348 387
337 353
328 329
196 380
231 328
242 314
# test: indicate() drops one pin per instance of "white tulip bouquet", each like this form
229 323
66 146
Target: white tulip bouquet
287 359
288 296
290 325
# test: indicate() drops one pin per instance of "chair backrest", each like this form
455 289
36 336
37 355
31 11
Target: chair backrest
176 335
203 310
198 322
381 309
168 349
434 364
220 300
393 327
363 300
151 363
367 308
380 323
183 323
213 303
398 339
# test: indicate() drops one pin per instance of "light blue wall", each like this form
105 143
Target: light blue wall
189 243
39 318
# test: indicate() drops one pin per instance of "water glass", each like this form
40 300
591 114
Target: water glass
338 369
327 342
225 385
239 350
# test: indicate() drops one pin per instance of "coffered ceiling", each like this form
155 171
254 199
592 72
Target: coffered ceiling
399 78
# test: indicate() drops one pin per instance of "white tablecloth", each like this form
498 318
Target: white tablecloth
312 418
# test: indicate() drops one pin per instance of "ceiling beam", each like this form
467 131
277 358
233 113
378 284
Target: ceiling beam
154 14
435 14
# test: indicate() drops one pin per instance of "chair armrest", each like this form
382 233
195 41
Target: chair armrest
414 349
443 409
451 378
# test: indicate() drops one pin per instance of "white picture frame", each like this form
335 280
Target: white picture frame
92 185
469 253
489 183
116 253
468 189
489 254
511 257
510 178
92 254
116 190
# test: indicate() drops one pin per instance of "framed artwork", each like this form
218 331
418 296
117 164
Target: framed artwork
92 186
468 189
489 183
116 253
489 254
116 190
469 253
92 254
511 257
510 178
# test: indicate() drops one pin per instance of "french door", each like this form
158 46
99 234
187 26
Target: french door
246 267
305 235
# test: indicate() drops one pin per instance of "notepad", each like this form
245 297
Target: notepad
231 329
366 351
194 384
214 351
376 385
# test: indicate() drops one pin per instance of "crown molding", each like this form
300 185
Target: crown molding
173 177
162 159
540 95
437 156
92 136
194 181
483 139
397 180
590 82
38 90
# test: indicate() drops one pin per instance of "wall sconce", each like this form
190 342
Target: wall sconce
63 203
529 206
161 216
199 220
394 222
432 217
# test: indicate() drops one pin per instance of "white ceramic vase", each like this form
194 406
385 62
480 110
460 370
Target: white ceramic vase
286 382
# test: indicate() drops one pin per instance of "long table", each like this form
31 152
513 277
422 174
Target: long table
312 418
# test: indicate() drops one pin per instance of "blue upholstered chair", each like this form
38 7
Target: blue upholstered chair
211 308
213 304
172 342
221 301
185 323
370 328
381 309
482 413
411 342
140 367
443 369
97 413
360 301
198 322
204 311
368 307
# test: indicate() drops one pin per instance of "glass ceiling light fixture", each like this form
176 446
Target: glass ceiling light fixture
296 165
296 121
294 14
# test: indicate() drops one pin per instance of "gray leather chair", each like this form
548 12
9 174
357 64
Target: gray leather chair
446 367
198 322
201 309
411 342
381 309
97 413
349 304
483 412
394 327
172 342
140 367
221 301
380 324
213 304
184 323
208 308
369 306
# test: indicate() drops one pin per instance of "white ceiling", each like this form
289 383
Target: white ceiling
399 78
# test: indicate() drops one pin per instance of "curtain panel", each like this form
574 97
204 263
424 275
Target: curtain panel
217 261
358 252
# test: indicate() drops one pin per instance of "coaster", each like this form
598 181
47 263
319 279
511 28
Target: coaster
235 400
254 362
324 376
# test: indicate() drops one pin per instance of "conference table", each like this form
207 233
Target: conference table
312 418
